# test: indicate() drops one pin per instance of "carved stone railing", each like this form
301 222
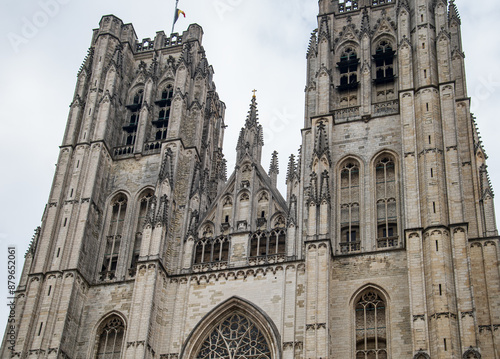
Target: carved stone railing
270 259
207 267
347 114
107 275
350 247
387 242
152 147
123 151
386 108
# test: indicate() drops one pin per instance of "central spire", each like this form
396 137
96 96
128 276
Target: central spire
251 137
252 118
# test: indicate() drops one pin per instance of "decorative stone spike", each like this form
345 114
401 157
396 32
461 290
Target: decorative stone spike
292 168
453 12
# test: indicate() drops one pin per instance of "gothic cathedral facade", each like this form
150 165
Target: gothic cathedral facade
385 246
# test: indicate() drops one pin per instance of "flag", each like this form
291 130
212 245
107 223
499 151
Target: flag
178 13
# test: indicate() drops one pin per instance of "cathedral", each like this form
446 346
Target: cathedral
384 245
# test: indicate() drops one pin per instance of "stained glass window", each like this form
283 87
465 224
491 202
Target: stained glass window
235 337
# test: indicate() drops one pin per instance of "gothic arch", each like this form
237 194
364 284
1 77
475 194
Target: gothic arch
386 197
350 203
142 191
421 355
98 328
239 307
113 233
357 294
369 308
387 36
471 353
342 45
207 229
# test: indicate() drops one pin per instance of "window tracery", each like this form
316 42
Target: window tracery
348 69
144 204
114 236
211 250
133 119
164 106
349 207
111 339
386 194
371 329
268 243
236 337
384 63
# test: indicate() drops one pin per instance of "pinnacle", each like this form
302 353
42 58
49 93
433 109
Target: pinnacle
453 11
274 167
252 118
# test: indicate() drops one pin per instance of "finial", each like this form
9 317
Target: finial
254 91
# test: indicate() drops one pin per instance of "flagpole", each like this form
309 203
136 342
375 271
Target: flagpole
175 14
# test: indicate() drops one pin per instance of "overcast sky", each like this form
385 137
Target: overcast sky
252 44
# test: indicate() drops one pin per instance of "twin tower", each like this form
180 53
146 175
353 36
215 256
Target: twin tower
385 246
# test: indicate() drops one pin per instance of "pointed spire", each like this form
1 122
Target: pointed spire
162 214
252 118
313 44
403 4
324 30
321 146
453 12
313 188
365 22
274 167
292 168
166 167
325 187
34 242
251 137
299 162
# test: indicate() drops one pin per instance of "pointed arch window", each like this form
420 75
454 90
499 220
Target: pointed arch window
144 205
348 69
133 113
235 337
371 326
164 104
211 250
110 341
381 2
268 243
384 63
114 237
350 240
386 195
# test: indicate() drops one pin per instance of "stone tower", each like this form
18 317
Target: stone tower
385 247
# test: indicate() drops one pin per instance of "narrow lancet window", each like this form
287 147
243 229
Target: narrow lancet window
384 63
350 240
386 197
348 69
114 237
